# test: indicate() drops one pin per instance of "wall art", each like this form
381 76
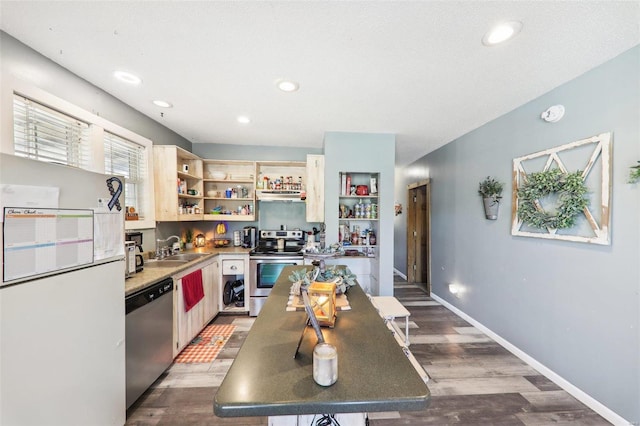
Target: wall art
564 193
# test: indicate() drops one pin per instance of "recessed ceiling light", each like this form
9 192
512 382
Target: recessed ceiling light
162 104
287 85
501 33
127 77
243 119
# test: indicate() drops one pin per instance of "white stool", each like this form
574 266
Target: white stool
390 309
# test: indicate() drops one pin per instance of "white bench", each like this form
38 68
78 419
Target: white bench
390 308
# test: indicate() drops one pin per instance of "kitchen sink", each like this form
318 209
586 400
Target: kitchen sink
187 256
164 263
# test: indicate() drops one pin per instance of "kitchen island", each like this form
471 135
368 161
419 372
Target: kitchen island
266 380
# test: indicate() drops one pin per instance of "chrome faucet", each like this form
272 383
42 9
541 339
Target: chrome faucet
164 250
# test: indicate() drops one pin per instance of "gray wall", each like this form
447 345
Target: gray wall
573 307
18 61
21 62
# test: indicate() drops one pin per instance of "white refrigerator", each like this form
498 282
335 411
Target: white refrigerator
62 314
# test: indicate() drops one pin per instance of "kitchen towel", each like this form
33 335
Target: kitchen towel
192 289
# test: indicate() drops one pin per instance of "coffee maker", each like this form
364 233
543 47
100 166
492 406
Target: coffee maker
249 237
136 237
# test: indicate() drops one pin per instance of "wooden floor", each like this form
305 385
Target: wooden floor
473 380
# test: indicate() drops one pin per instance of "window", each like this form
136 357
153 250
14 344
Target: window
47 135
47 128
126 158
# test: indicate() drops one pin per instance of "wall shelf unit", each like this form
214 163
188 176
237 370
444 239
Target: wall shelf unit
358 214
178 184
229 190
280 179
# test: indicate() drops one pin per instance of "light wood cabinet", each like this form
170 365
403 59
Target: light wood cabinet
280 180
178 184
315 188
187 325
238 177
211 283
189 188
234 267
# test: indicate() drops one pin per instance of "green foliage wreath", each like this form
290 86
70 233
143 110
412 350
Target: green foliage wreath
572 198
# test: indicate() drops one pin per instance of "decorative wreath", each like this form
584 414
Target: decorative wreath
572 199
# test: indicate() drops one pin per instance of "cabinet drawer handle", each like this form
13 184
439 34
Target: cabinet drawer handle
234 267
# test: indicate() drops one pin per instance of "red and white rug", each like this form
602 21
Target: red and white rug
206 346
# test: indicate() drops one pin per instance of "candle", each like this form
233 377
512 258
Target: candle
325 364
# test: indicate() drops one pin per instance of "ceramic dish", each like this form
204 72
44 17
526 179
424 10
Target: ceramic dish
217 175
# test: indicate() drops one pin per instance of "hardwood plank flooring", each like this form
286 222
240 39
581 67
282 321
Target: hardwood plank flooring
473 380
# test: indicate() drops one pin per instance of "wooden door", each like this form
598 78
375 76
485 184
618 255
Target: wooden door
418 234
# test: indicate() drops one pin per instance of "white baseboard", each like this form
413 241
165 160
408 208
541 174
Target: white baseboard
580 395
404 277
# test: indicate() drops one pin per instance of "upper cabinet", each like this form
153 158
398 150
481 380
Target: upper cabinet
229 190
178 184
315 188
280 180
188 188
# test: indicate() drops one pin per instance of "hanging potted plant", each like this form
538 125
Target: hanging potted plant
491 192
634 174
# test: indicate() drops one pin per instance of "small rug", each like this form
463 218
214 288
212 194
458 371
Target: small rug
206 346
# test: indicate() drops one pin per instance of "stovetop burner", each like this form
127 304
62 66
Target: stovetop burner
279 243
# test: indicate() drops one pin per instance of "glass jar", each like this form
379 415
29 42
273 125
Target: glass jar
325 364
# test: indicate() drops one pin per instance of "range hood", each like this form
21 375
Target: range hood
279 195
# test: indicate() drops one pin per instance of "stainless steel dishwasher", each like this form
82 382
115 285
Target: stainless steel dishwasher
149 337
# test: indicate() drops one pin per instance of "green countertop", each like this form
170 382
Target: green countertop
373 372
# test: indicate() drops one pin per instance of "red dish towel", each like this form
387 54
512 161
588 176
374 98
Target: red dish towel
192 290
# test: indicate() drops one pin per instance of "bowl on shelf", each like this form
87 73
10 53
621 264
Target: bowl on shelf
221 242
217 175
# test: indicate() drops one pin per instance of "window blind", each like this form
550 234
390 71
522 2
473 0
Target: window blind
127 158
48 135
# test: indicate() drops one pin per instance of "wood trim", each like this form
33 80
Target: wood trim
424 231
419 183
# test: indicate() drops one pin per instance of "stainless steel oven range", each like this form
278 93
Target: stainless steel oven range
275 250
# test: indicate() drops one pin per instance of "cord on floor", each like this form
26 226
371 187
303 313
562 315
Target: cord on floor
325 420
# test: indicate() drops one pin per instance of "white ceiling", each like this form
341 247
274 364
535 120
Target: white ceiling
416 69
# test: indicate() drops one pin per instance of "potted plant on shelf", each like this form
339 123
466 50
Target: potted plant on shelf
188 239
491 191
